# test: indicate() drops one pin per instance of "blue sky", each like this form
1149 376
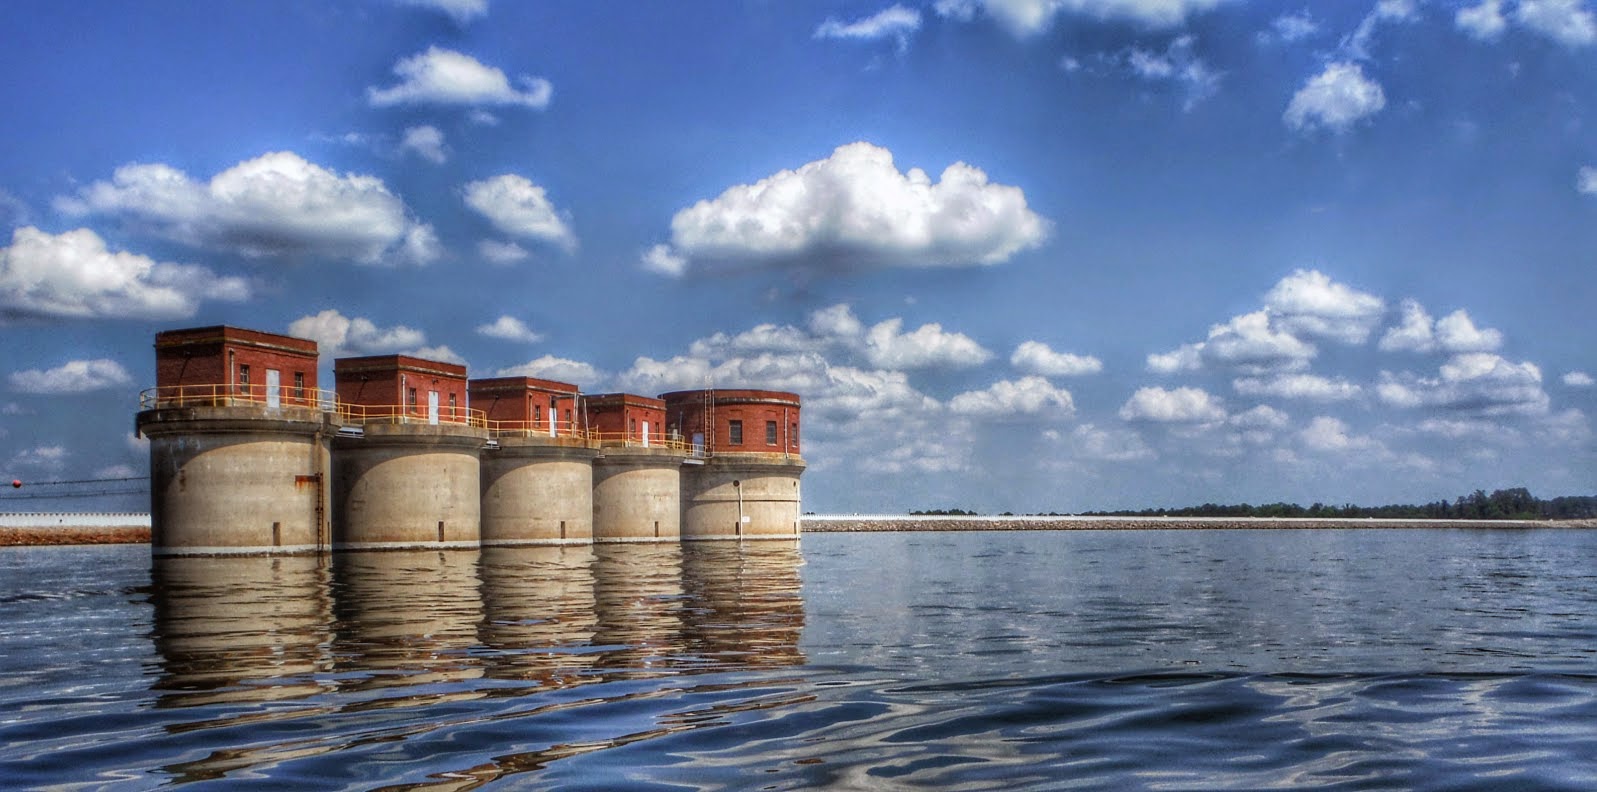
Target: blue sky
1031 255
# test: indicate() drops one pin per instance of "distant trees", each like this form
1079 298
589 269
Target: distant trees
1504 504
943 513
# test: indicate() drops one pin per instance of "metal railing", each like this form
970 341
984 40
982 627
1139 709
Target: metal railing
365 414
536 429
241 395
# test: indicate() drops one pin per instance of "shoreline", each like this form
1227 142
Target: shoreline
889 523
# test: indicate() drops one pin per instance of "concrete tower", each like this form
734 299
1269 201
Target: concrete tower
748 486
537 471
637 476
239 439
406 459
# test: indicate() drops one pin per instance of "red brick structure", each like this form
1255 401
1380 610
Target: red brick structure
732 420
222 364
525 405
387 387
626 417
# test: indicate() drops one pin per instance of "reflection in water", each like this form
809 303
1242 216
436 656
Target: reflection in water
407 617
745 607
538 612
240 629
638 603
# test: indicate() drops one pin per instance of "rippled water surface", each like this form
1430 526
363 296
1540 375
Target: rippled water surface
1357 659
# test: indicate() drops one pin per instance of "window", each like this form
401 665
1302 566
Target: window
299 384
770 432
451 404
410 397
734 431
243 375
537 413
792 435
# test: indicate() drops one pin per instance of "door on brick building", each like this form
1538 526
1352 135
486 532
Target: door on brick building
432 407
645 434
274 382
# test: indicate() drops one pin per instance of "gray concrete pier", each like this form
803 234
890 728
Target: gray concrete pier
742 496
637 494
537 490
408 485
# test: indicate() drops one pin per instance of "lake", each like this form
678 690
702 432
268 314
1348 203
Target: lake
1199 659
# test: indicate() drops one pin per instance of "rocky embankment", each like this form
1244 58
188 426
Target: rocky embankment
56 535
816 524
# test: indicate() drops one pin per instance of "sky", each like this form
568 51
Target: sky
1023 255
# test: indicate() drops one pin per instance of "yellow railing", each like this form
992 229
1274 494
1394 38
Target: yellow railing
409 414
535 429
634 440
253 394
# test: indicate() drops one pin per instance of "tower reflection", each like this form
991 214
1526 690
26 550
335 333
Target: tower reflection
538 613
240 629
406 617
746 602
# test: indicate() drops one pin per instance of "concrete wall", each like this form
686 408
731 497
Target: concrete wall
408 485
765 492
637 495
237 480
537 491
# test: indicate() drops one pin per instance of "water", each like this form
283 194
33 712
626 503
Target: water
1358 659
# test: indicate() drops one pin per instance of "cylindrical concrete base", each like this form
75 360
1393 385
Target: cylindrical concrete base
637 495
742 496
407 486
537 491
232 480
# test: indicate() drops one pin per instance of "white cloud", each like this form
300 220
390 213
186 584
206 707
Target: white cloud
1310 303
76 376
274 205
462 11
73 275
760 338
1025 396
339 336
854 209
1474 382
517 206
1568 22
1180 405
1357 44
554 368
1262 417
1484 21
895 22
1586 180
440 353
1335 99
1454 333
116 472
1088 441
1311 387
1288 28
837 321
1029 17
509 328
1247 341
51 458
425 142
496 252
440 76
928 346
1178 65
1578 379
1329 435
1036 357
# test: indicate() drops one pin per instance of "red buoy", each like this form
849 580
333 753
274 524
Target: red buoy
16 483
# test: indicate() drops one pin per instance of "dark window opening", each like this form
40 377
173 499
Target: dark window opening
734 431
770 432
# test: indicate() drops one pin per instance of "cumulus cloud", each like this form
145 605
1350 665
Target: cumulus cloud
1586 180
425 142
1025 396
49 458
1178 65
509 328
277 204
518 207
1248 341
761 338
1089 441
1479 382
1568 22
895 22
462 11
75 376
1329 435
1288 28
337 335
1029 17
440 76
1262 417
1484 21
1452 334
74 275
854 209
1308 302
1036 357
927 346
495 252
1310 387
554 368
1335 99
1578 379
1180 405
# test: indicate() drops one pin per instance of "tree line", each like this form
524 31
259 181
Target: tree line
1504 504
